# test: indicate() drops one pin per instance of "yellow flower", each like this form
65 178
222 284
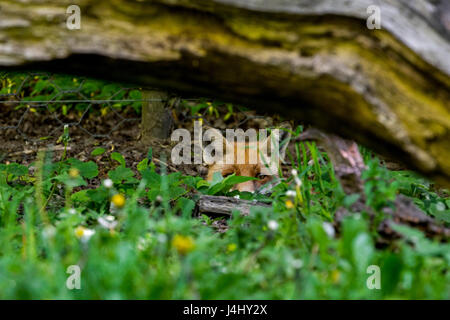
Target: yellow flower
183 244
118 200
231 247
74 172
200 119
289 204
335 276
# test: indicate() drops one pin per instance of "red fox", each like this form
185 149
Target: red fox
262 169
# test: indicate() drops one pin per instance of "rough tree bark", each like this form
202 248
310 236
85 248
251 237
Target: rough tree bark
224 206
311 60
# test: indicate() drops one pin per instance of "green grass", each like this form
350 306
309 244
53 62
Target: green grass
156 249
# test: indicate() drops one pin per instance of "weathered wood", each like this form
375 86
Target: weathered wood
315 61
344 155
218 205
348 165
156 120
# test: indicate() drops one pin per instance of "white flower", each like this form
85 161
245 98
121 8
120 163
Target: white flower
297 180
440 206
329 229
72 211
162 238
108 183
142 243
107 222
49 232
84 233
237 196
88 233
273 225
291 193
296 263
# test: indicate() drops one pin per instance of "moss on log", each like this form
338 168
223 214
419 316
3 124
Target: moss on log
311 60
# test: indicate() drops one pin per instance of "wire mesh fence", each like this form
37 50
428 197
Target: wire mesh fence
36 107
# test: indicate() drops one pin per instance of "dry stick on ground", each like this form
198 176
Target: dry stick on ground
348 166
165 164
224 206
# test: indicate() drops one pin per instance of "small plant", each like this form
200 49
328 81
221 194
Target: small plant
132 232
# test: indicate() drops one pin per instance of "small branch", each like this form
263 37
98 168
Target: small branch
218 205
29 151
164 164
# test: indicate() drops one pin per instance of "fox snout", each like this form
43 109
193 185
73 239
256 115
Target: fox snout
263 176
248 186
261 185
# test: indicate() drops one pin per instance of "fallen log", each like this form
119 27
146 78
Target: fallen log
224 206
314 61
348 166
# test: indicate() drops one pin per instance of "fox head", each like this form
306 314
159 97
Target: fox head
241 160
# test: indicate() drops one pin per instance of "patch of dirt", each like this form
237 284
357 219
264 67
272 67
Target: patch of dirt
25 131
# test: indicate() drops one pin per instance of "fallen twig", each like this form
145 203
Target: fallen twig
219 205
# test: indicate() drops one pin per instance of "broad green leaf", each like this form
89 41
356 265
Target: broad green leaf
97 151
227 183
119 158
81 196
121 174
362 248
202 183
142 165
152 178
87 170
17 169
